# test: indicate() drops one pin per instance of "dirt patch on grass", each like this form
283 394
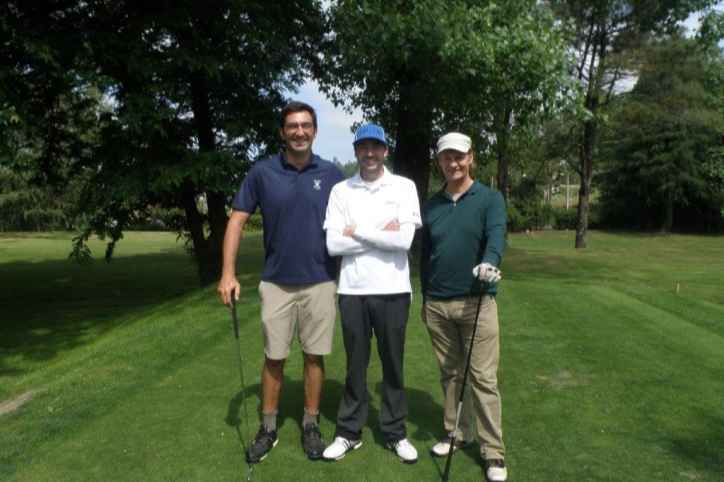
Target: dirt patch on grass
564 379
17 402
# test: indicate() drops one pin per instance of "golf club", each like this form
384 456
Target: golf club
250 474
446 473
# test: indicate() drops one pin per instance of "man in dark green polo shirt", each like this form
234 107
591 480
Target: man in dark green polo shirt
463 239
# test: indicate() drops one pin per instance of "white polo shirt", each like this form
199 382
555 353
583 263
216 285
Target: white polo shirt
373 261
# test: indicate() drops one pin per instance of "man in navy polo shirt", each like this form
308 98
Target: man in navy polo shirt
298 286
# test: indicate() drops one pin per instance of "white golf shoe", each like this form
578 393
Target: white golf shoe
404 450
495 470
442 448
339 448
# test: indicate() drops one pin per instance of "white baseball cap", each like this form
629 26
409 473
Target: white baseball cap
455 141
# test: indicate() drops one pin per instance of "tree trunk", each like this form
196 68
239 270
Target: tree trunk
668 221
588 142
207 251
502 152
582 224
195 225
589 132
412 147
217 228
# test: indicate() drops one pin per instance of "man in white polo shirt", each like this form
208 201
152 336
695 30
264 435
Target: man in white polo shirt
371 220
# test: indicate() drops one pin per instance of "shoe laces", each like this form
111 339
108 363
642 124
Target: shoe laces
344 442
402 444
311 431
495 463
263 436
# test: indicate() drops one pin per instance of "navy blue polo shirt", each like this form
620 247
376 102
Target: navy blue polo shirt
293 205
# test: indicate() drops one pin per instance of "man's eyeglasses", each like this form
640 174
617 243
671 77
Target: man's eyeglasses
292 127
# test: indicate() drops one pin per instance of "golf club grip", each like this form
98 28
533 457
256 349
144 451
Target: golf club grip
233 315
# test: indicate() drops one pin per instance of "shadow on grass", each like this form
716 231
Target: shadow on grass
425 423
703 453
426 415
56 305
291 405
237 414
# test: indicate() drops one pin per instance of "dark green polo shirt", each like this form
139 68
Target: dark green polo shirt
457 236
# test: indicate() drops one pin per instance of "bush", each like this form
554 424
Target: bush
515 221
564 219
529 214
568 219
157 219
255 223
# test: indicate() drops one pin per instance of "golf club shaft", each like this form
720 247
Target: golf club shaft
250 474
448 462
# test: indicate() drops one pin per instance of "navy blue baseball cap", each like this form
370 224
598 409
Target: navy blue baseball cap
370 131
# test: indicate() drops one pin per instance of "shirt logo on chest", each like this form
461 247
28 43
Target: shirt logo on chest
317 184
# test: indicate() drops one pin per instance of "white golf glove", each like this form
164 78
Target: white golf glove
487 273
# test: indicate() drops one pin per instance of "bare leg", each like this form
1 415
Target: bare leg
272 376
313 382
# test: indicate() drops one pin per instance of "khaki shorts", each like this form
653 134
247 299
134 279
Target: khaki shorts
308 308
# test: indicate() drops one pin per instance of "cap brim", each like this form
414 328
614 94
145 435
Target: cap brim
454 146
379 141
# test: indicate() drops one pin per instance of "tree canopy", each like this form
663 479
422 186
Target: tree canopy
606 33
193 89
421 68
664 140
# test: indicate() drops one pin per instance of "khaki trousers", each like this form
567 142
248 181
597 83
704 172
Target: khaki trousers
450 325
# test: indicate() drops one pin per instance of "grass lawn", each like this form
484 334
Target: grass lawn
128 370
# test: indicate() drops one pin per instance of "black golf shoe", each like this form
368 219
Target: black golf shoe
312 442
264 441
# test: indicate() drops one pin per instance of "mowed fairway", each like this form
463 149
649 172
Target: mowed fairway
127 371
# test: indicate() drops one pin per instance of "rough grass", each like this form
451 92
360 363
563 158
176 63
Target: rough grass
606 373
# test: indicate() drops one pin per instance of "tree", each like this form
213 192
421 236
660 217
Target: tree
606 31
664 135
197 87
29 206
48 115
349 169
46 107
194 87
427 66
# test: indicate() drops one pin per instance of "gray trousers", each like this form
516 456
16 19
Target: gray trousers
386 317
